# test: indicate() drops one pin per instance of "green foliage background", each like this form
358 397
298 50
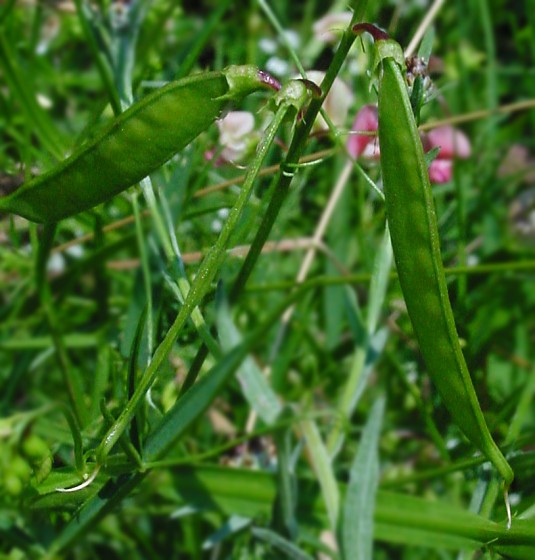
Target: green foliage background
354 402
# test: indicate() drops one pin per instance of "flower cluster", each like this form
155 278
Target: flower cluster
237 135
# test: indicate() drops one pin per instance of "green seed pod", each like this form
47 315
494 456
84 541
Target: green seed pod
134 144
415 240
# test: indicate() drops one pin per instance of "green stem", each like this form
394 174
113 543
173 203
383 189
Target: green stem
200 287
129 449
178 282
281 182
363 277
43 289
282 35
146 274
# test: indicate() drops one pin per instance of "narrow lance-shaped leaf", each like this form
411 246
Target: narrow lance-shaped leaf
357 525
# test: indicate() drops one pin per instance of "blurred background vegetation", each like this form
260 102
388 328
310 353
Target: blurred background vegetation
326 365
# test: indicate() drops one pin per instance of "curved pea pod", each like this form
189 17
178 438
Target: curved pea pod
416 244
134 144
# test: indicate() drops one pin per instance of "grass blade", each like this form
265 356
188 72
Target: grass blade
285 511
399 518
379 283
192 405
321 462
289 549
357 521
233 525
256 388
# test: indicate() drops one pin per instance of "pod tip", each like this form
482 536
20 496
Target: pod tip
269 80
373 30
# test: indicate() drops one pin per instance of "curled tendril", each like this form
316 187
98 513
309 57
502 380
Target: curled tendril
81 486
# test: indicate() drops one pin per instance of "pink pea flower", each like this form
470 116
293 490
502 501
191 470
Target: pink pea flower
365 145
440 171
452 143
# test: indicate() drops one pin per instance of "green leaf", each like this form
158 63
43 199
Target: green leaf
426 45
289 549
233 525
192 405
359 506
101 503
321 463
255 386
399 518
379 282
285 510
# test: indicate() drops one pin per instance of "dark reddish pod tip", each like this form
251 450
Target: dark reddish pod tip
269 80
373 30
312 86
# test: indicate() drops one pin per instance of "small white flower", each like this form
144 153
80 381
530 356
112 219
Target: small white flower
217 226
120 14
293 38
76 251
268 46
277 66
514 498
472 260
44 101
234 133
56 263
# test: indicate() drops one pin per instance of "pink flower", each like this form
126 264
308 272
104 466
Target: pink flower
453 144
440 171
359 144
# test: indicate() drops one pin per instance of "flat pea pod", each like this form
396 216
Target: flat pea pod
415 240
134 144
